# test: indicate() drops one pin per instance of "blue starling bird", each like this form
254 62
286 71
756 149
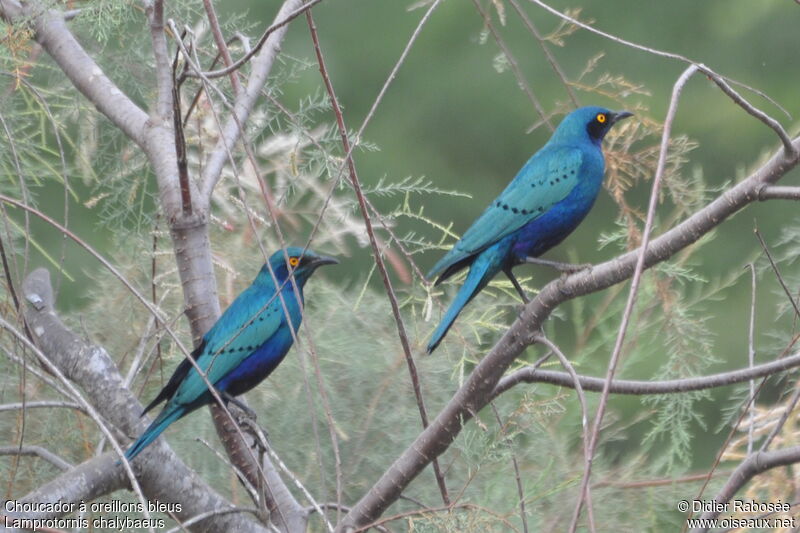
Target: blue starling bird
243 347
543 204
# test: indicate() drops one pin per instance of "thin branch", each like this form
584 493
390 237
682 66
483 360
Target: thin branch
40 405
37 451
180 141
777 192
654 482
777 271
376 250
530 374
751 357
720 80
787 411
637 275
182 525
515 464
548 54
587 442
750 109
222 46
287 18
512 61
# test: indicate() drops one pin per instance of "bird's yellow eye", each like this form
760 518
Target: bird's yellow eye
294 261
601 118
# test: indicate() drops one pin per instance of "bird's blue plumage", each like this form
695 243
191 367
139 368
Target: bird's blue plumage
543 204
244 346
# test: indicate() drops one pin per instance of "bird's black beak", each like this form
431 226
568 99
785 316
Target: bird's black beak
323 260
616 117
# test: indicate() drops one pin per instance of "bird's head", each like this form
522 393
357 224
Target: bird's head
296 260
590 123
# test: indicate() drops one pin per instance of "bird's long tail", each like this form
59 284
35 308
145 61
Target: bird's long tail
164 419
482 270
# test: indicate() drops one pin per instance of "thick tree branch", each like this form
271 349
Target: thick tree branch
478 388
164 477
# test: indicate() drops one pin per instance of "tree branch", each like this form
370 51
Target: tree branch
640 388
749 468
776 192
478 388
164 82
261 65
37 451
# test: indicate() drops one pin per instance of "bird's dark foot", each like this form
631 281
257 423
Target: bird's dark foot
568 268
249 413
258 431
517 285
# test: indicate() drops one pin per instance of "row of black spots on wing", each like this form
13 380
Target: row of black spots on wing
514 210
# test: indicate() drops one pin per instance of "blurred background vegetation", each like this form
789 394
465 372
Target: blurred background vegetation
455 120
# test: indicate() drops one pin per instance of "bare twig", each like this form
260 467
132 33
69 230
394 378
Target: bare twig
653 482
750 109
721 81
778 192
777 272
40 405
530 374
376 250
637 275
208 514
546 49
751 357
222 46
275 26
37 451
512 61
587 443
517 477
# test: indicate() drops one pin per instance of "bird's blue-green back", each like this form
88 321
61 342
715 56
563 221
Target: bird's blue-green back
250 321
546 179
